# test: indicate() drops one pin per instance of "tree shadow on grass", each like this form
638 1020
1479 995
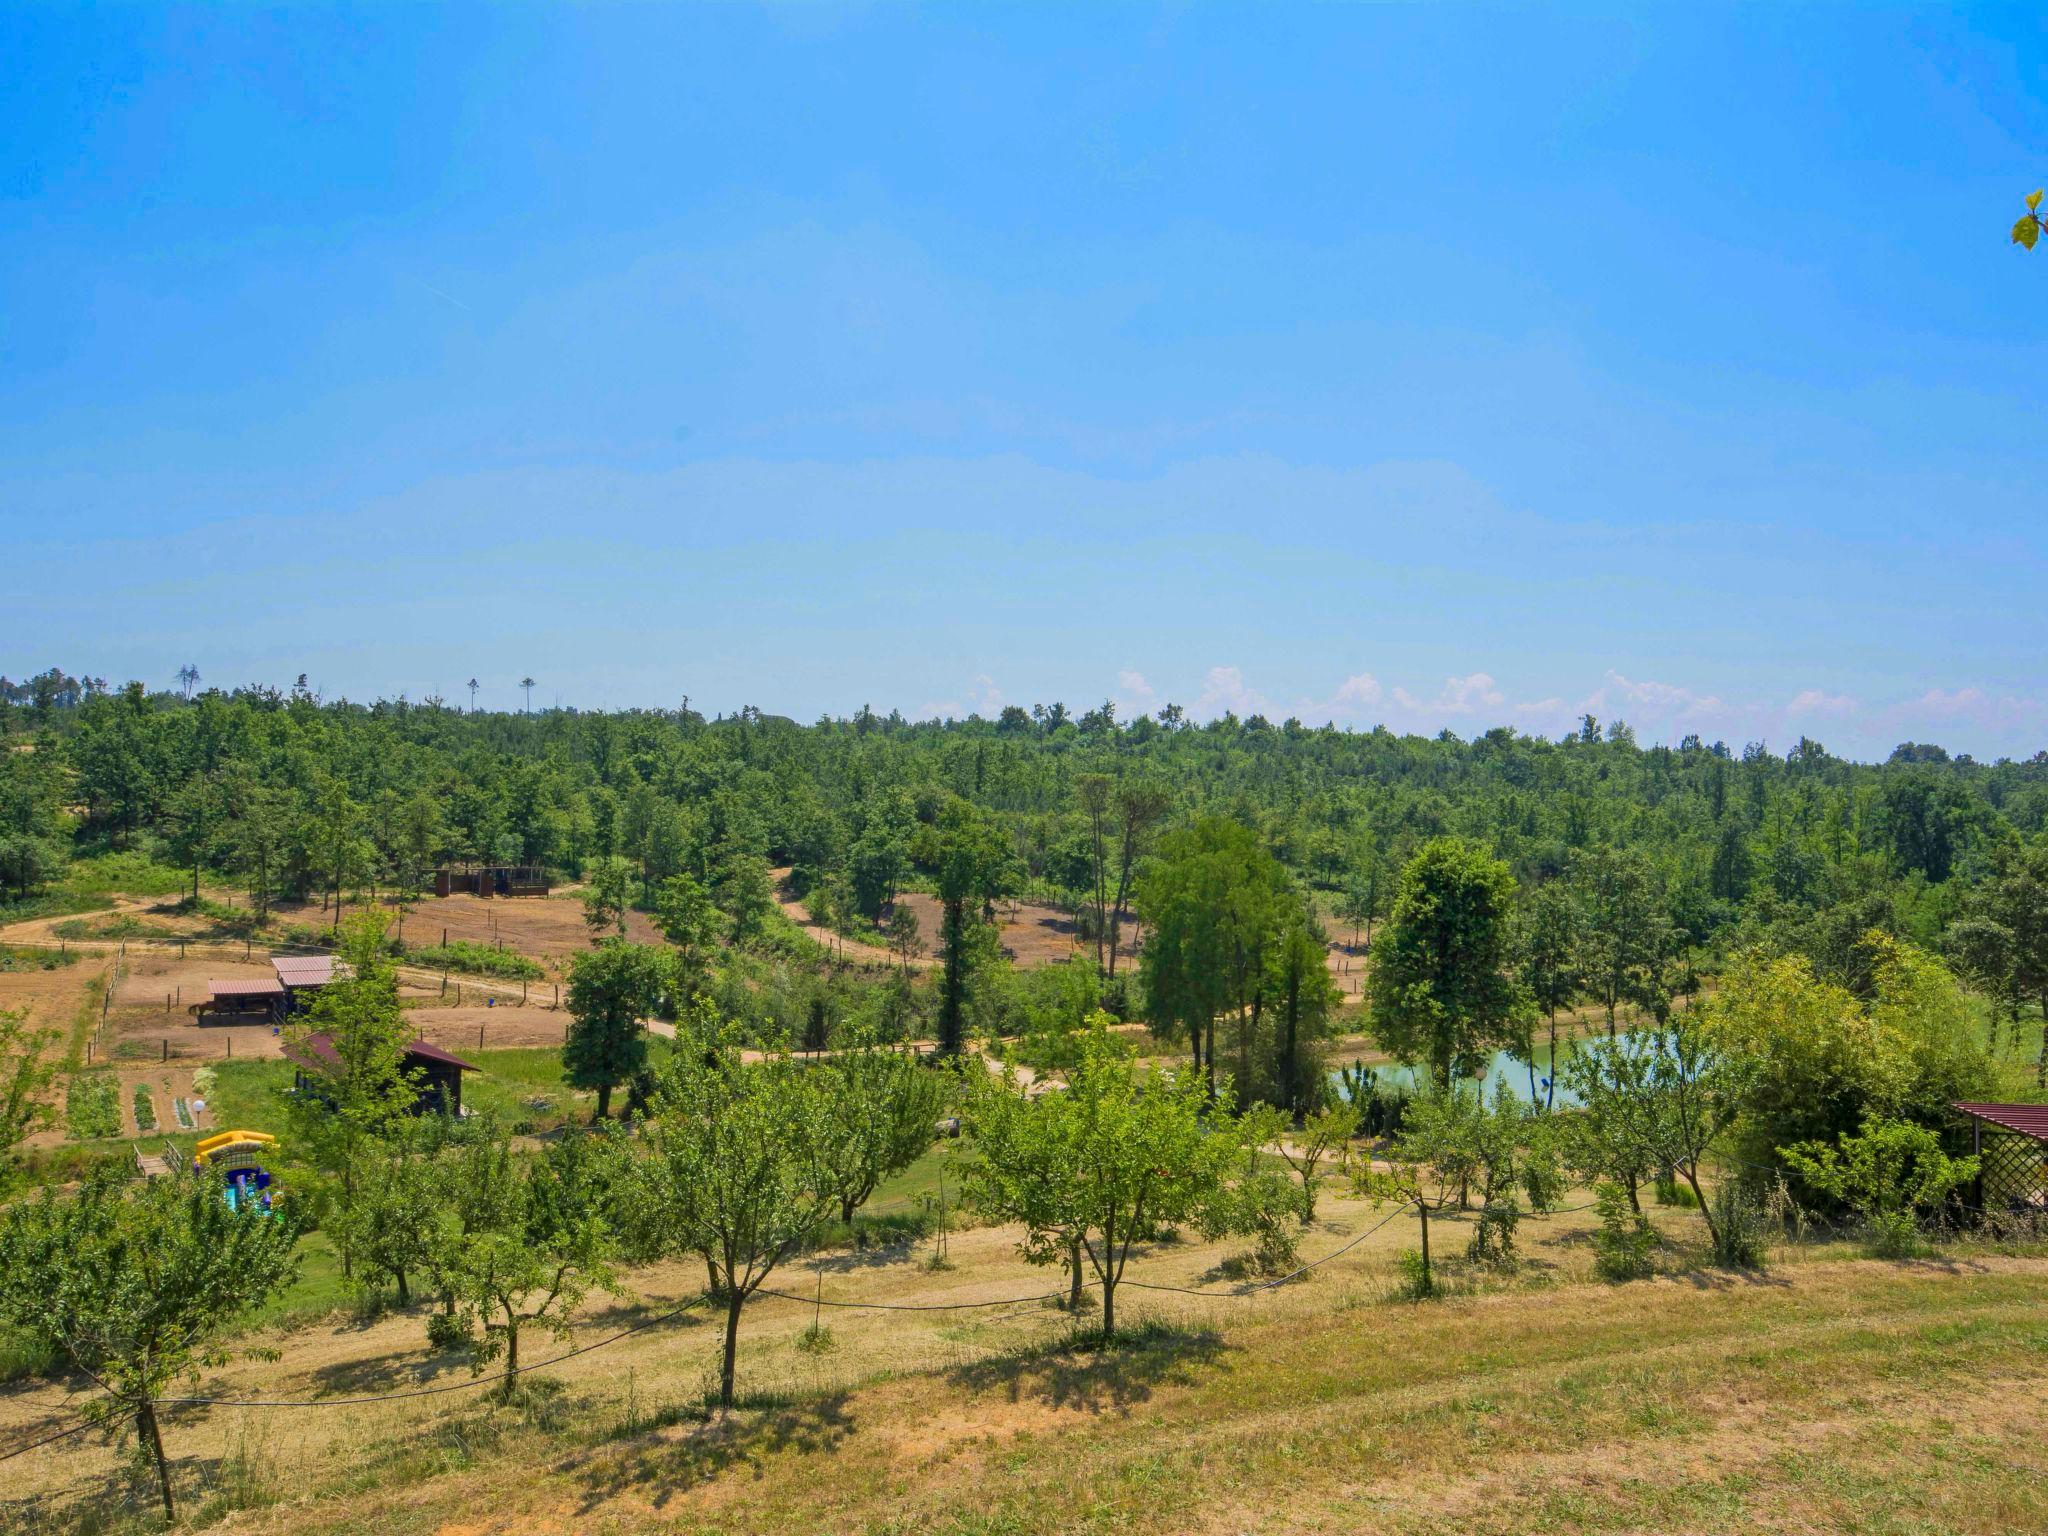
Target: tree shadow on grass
877 1252
691 1449
390 1373
1704 1277
1084 1373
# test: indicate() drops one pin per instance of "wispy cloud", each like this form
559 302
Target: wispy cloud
1224 690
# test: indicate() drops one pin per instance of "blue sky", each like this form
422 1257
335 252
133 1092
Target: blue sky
1435 366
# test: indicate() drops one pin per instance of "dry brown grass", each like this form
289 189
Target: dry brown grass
1825 1394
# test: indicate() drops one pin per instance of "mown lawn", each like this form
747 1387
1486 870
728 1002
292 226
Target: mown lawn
1831 1396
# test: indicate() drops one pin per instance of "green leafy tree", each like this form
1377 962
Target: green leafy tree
340 852
1302 1001
1623 932
903 936
258 837
1818 1061
881 1108
1306 1147
196 818
612 990
607 898
974 862
739 1173
1364 898
745 893
363 1095
26 1071
691 922
1103 1162
1548 958
398 1213
1094 792
2015 899
1442 990
1139 806
1614 1135
140 1285
1218 906
541 1238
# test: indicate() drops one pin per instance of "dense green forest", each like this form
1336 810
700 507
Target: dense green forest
1704 849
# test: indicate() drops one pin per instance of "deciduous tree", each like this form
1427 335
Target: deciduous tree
1103 1162
739 1171
613 989
1442 990
139 1285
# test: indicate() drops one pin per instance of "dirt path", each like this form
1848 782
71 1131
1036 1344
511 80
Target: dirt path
841 946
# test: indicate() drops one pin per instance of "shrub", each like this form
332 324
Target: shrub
1887 1174
1741 1228
1819 1062
1625 1240
18 959
1415 1278
1493 1240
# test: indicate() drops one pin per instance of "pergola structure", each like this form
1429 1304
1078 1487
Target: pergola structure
2011 1144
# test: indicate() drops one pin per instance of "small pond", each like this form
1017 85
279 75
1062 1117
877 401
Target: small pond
1505 1068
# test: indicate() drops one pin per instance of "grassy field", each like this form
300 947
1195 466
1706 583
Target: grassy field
1830 1395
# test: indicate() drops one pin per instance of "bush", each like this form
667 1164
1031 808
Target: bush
447 1332
1741 1227
18 959
1415 1278
1493 1240
1819 1061
1887 1174
145 1108
1625 1241
1672 1191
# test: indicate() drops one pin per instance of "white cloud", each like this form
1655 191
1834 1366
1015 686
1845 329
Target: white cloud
1669 699
1224 689
1134 696
1959 701
1814 701
982 697
1458 696
1355 702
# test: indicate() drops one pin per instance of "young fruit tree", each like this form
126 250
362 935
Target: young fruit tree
880 1112
539 1238
26 1069
739 1169
1102 1163
363 1094
1304 1149
139 1284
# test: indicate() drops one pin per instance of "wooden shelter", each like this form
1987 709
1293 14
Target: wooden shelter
2011 1145
438 1073
491 880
